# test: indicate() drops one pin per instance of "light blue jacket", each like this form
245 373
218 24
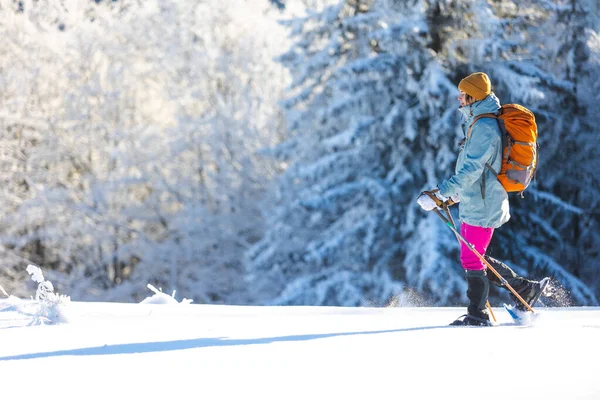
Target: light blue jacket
487 208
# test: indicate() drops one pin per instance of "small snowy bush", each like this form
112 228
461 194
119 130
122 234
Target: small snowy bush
50 305
162 298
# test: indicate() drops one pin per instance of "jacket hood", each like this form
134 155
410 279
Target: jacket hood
490 104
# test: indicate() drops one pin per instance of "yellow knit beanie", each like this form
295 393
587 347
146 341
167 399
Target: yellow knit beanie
477 85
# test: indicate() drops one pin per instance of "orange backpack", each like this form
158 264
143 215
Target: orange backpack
519 143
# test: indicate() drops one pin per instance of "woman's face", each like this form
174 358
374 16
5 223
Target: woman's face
462 98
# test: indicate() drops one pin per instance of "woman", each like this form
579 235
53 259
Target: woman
483 203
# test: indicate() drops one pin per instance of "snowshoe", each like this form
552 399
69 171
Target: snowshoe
521 317
471 320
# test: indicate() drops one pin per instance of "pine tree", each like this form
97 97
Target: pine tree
565 237
537 55
372 114
345 229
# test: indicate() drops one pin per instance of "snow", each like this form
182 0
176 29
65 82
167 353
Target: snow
162 298
178 350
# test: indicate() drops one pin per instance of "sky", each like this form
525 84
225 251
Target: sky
168 349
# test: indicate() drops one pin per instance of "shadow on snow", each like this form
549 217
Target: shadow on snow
186 344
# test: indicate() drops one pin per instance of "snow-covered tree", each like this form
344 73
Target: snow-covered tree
141 163
372 114
540 54
131 136
365 92
560 227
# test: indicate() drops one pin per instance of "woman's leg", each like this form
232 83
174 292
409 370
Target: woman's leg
475 269
480 239
529 290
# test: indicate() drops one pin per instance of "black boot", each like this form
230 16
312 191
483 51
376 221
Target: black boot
529 290
531 293
478 294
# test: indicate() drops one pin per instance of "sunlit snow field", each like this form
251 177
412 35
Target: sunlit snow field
187 351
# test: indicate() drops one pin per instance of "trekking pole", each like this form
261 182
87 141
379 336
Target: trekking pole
474 250
487 303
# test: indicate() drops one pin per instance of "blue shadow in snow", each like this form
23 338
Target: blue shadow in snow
132 348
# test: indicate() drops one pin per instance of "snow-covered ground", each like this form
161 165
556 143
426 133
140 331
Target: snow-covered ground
186 351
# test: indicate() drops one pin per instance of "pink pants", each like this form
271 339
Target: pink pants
480 239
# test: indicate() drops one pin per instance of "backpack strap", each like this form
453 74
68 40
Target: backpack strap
477 118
